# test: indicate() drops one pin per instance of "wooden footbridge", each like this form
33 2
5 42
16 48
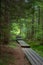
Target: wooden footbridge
30 54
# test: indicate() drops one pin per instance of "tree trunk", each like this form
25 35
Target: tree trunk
32 32
4 23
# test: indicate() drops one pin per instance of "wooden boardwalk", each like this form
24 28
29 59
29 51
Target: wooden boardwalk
23 44
31 55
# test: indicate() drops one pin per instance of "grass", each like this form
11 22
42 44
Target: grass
38 49
36 46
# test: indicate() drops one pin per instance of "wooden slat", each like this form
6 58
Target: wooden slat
33 58
23 44
37 56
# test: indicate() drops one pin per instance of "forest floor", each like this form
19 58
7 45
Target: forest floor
12 56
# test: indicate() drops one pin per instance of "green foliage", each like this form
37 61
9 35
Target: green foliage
38 49
28 20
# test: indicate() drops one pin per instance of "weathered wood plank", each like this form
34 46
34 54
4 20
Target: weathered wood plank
23 44
33 57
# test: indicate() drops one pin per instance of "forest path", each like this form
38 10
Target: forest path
15 56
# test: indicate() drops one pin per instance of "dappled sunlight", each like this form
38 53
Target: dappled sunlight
15 32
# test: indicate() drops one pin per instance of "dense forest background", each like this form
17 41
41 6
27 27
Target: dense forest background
22 18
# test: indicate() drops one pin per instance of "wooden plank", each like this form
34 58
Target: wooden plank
36 54
23 44
29 57
33 58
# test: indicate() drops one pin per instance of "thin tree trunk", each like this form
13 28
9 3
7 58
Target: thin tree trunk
6 22
32 33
